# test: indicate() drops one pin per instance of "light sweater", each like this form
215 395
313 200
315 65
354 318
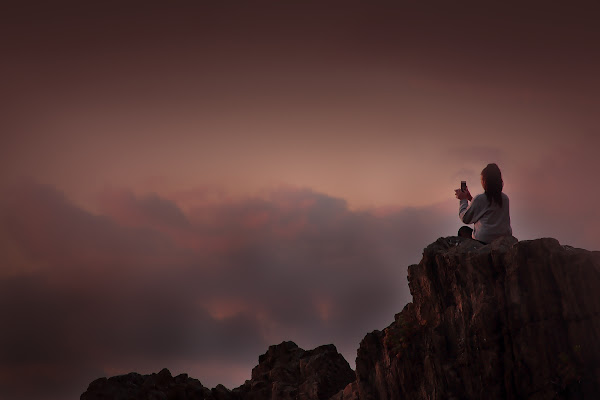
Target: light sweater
491 221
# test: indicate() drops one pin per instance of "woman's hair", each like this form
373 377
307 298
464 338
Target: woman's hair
492 183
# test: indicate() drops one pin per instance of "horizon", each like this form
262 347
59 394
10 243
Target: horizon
183 186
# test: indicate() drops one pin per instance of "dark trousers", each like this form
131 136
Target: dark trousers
467 232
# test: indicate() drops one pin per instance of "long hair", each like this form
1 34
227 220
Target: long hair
492 183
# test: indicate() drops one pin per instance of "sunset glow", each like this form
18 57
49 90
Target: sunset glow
183 186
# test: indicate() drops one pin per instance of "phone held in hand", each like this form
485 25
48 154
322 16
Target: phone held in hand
463 185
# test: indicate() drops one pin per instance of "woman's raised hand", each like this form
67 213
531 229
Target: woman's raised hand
463 195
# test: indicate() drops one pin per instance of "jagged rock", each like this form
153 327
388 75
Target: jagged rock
350 392
286 371
509 320
161 386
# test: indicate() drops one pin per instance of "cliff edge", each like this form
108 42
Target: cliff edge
509 320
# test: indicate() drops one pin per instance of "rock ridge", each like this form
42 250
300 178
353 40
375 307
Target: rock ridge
284 372
508 320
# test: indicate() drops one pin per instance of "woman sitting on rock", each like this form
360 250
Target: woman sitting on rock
488 211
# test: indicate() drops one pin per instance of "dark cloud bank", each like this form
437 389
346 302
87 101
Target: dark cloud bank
146 285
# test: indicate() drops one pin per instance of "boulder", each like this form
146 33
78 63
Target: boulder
286 372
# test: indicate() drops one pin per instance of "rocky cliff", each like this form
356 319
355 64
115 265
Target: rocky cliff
509 320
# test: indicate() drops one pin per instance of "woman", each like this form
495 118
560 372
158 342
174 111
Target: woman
488 211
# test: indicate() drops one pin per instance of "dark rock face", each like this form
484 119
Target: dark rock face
510 320
161 386
284 372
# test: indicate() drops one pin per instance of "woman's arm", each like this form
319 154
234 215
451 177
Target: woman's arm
463 208
466 213
469 214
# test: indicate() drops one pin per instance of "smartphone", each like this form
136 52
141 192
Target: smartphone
463 185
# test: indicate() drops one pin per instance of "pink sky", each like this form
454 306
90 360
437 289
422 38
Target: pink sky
183 187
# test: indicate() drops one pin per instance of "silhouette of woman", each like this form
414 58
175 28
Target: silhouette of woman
489 211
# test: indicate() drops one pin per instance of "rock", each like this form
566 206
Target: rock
161 386
350 392
509 320
286 371
220 392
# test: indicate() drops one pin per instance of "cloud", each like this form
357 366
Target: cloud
149 210
473 155
54 232
148 284
156 281
557 195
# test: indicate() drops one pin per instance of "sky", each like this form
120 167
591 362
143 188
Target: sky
183 184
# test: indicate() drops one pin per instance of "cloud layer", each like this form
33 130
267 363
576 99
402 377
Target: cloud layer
146 284
201 283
